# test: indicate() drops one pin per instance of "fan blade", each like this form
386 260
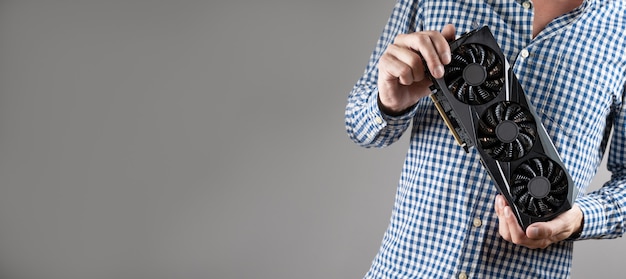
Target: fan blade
525 140
485 95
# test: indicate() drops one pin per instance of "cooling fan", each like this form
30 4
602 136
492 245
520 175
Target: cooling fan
475 74
484 105
506 131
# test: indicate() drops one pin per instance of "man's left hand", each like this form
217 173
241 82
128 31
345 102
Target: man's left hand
540 234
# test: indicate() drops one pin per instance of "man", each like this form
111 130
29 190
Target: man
448 220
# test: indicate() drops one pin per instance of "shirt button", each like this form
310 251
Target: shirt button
477 222
526 5
378 120
462 275
525 53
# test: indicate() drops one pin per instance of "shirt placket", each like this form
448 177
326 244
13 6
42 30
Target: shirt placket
469 260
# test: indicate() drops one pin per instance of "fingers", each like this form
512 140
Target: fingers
516 233
404 58
431 46
448 32
400 63
503 228
508 228
538 235
402 78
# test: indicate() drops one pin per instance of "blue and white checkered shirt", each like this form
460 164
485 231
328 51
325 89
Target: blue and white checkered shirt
443 223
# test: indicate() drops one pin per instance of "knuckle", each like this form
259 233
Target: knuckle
391 48
400 37
421 39
404 72
418 75
385 59
405 75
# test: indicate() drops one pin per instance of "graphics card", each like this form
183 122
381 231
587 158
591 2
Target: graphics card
485 107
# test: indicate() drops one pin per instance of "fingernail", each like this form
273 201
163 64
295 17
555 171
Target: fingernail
499 202
439 71
533 232
507 212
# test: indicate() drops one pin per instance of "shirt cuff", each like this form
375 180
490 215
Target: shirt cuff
382 119
594 219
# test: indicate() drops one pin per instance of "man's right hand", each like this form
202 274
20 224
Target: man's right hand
402 79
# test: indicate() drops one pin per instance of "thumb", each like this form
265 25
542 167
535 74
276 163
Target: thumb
539 230
448 32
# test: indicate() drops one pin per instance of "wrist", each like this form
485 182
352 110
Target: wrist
390 111
578 224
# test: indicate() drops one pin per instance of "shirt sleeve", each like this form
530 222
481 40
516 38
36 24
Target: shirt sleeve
604 210
365 123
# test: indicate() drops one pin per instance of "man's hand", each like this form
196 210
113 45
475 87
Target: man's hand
540 234
402 80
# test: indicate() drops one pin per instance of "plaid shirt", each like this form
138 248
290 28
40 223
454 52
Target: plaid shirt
443 223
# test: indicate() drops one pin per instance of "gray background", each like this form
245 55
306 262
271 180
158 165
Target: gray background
194 139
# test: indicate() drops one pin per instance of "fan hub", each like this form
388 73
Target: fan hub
507 131
539 187
474 74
